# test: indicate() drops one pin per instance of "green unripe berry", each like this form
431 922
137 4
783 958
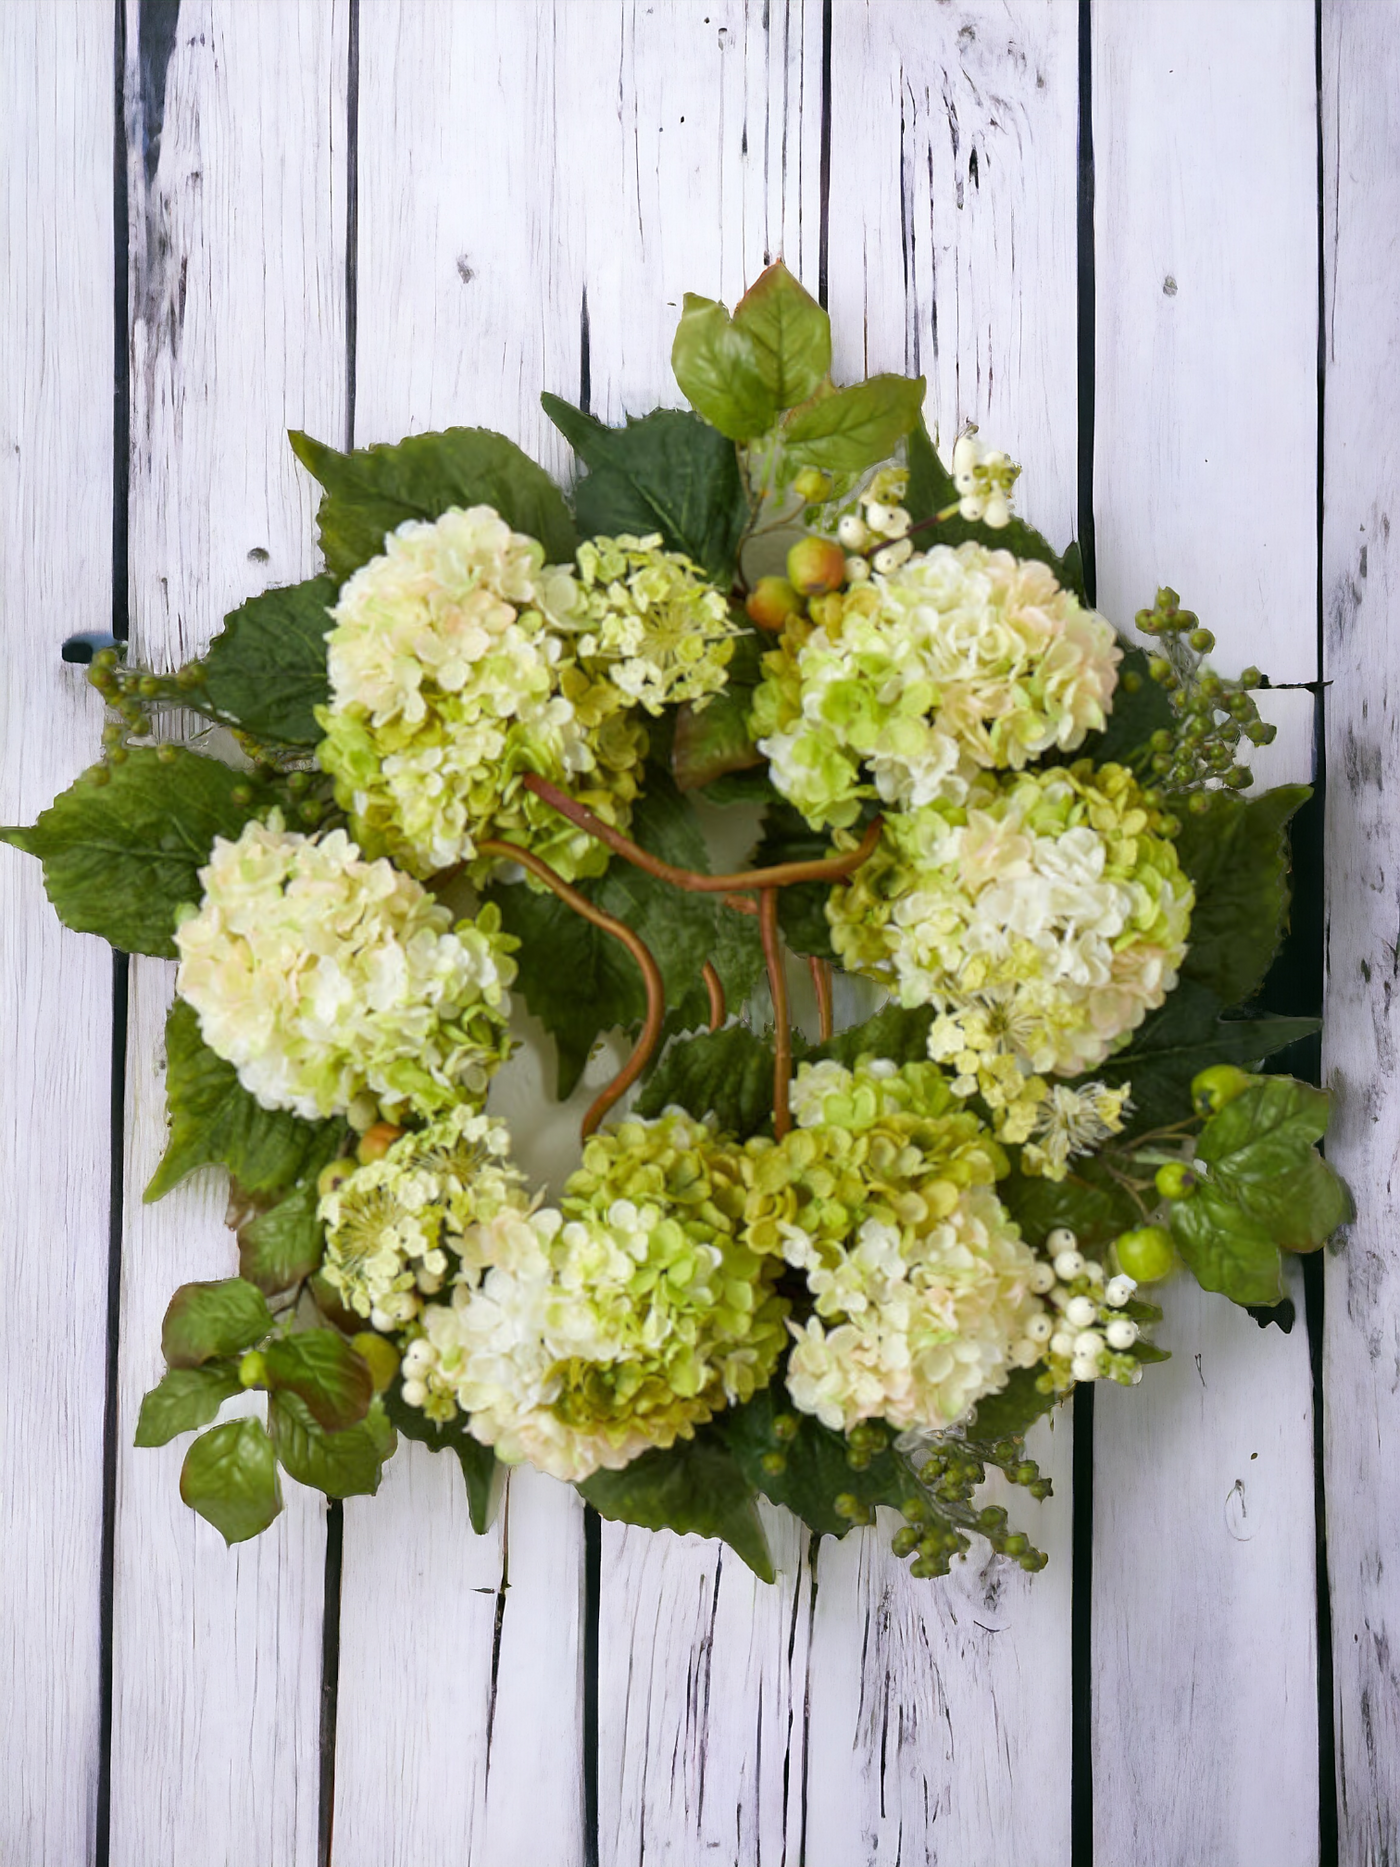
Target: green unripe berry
379 1356
772 601
786 1426
1202 641
1213 1088
1146 1255
812 485
338 1172
816 566
1199 803
774 1463
1016 1545
165 754
1176 1180
1132 682
1161 740
1239 778
904 1542
1251 678
252 1370
241 794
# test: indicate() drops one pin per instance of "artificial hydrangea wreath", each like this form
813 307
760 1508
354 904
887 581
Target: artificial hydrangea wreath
837 1268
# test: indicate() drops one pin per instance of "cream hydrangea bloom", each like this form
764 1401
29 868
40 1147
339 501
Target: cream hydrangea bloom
335 985
449 682
1044 918
577 1339
959 660
924 1293
651 622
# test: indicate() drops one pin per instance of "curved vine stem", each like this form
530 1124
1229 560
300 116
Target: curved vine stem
651 972
716 992
782 1028
820 970
831 868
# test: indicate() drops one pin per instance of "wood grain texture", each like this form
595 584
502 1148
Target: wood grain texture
1205 229
939 1712
237 171
55 987
1204 1664
1360 577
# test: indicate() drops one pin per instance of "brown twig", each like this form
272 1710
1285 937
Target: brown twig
651 972
782 1029
716 992
831 868
820 970
740 904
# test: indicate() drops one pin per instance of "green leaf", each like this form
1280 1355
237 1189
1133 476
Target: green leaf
482 1472
1134 718
215 1122
670 472
718 368
713 741
281 1246
230 1478
348 1463
1011 1413
802 907
266 669
205 1321
1236 854
695 1487
790 334
1260 1154
816 1470
183 1399
931 491
320 1368
1185 1036
893 1032
852 429
727 1074
1092 1204
374 489
120 857
1225 1249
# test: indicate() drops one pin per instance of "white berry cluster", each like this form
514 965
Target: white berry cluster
1090 1339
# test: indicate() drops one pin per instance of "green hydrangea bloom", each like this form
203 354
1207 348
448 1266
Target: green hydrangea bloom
651 623
450 681
1045 916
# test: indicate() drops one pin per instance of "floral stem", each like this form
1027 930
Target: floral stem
740 904
716 992
636 946
832 868
782 1028
820 970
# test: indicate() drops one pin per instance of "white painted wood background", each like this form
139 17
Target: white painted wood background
366 217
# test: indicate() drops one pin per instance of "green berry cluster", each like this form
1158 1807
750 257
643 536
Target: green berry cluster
1212 714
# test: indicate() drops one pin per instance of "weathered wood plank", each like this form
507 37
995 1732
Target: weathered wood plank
940 1711
55 987
238 208
1204 1693
1361 478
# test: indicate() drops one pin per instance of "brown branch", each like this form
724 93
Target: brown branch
740 904
651 972
832 868
820 970
782 1029
716 992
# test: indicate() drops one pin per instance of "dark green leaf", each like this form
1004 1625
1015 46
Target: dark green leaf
790 333
852 429
728 1074
1011 1413
696 1487
1185 1036
483 1474
374 489
718 368
205 1321
749 787
670 472
1226 1249
230 1478
320 1367
183 1399
1134 718
120 858
931 491
816 1470
284 1244
1092 1204
266 669
714 741
1259 1149
801 908
340 1464
1236 854
215 1122
900 1035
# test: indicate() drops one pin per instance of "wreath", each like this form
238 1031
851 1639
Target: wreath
841 1253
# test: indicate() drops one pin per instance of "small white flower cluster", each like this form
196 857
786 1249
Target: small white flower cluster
1091 1339
914 1326
984 478
877 537
336 986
